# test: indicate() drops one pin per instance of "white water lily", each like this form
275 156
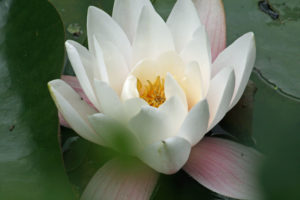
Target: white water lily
156 80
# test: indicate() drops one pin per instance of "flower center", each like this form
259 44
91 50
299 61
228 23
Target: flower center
152 93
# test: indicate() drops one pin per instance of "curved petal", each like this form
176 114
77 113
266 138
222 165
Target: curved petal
115 64
83 64
241 55
219 95
150 125
100 23
130 88
100 71
153 36
195 124
193 84
73 109
115 135
167 156
120 181
127 13
168 62
172 88
183 21
110 103
74 83
133 106
176 112
225 167
212 15
198 49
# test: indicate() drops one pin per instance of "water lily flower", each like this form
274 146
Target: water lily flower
153 89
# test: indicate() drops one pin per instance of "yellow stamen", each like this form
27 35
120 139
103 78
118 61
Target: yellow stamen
152 93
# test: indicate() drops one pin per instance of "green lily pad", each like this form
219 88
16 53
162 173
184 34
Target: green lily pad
31 54
74 14
277 40
276 126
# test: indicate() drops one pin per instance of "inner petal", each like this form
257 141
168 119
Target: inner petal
152 92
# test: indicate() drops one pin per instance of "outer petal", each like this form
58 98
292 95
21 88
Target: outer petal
83 64
74 83
110 103
225 167
74 109
127 13
183 21
153 36
116 180
212 15
195 124
219 95
115 64
167 156
241 55
115 134
100 23
198 49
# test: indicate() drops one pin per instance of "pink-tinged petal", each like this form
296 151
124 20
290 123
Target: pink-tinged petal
121 181
225 167
212 15
74 110
74 83
62 121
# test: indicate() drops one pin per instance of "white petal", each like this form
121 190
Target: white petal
226 167
100 71
116 66
167 156
115 135
133 106
110 103
172 88
74 109
121 181
193 84
198 49
130 88
83 64
153 36
150 125
195 124
100 23
127 13
168 62
241 55
176 112
183 21
220 94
